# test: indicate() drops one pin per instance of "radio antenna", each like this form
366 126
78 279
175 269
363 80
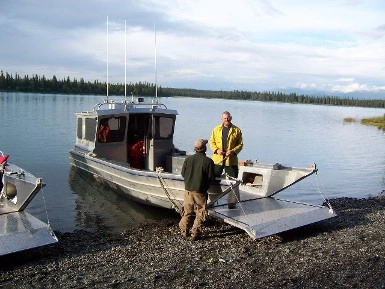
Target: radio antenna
156 72
107 58
125 59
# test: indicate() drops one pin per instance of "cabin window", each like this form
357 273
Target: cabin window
112 129
140 127
164 127
79 132
90 129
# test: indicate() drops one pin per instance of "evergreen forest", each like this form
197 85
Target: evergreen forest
41 84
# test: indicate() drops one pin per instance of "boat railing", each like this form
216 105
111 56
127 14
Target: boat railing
125 105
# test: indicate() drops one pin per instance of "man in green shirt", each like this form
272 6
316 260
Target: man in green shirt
197 171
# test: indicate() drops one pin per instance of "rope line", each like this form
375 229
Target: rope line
322 195
45 205
176 204
50 230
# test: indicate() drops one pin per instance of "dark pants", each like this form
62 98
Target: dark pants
233 197
232 171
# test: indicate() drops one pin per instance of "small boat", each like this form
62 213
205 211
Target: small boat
20 230
128 145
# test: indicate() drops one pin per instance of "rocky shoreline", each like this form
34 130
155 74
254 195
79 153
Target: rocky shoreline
347 251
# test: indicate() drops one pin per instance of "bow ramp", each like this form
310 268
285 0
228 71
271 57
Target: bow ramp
259 213
269 216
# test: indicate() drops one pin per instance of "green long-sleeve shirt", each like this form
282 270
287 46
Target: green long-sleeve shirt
198 171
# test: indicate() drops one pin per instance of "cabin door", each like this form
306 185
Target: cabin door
137 139
153 134
159 141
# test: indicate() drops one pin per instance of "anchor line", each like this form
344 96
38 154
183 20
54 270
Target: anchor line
322 195
178 207
45 208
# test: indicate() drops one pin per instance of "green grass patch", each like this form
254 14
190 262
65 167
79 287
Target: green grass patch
350 119
379 122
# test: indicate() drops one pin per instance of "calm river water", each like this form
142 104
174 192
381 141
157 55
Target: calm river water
39 130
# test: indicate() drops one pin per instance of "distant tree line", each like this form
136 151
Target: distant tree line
276 96
41 84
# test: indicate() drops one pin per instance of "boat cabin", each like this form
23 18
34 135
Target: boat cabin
138 134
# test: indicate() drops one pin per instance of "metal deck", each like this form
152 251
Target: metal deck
21 231
268 216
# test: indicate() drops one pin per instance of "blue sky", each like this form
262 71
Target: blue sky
329 46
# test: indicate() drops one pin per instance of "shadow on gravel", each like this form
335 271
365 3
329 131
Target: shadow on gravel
25 257
221 233
70 245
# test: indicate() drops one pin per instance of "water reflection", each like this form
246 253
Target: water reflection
99 208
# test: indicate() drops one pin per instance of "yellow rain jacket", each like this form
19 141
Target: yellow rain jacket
234 143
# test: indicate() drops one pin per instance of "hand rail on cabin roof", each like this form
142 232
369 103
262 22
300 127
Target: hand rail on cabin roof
129 104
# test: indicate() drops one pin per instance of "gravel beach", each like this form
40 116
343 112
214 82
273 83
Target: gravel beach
347 251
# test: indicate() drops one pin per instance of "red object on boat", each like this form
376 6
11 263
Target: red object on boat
136 155
3 158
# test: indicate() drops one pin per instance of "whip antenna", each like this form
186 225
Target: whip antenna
125 59
107 58
156 72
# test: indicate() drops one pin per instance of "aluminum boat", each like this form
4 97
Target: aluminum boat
128 145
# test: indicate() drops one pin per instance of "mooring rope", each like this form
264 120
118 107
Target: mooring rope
322 195
46 210
45 205
178 207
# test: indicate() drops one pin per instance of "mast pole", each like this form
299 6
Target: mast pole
107 58
125 58
156 72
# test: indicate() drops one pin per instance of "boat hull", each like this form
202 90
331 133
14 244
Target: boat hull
160 189
142 186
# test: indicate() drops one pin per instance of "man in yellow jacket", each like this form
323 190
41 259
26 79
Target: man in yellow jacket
226 142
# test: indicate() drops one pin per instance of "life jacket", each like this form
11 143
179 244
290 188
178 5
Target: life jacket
3 160
103 133
136 154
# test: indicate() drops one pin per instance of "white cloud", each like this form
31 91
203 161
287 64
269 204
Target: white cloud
335 46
